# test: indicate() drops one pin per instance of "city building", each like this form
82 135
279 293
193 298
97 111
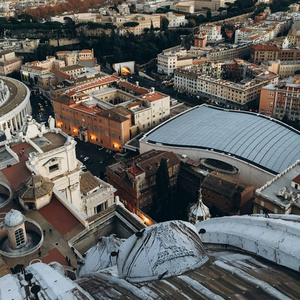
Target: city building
264 53
108 116
281 195
200 40
9 62
213 32
176 20
241 92
134 178
224 195
255 145
281 100
48 154
14 103
284 69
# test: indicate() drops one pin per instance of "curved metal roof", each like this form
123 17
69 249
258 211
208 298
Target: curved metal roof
259 140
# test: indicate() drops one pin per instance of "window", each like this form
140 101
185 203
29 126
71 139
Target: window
53 168
112 135
89 126
106 133
19 236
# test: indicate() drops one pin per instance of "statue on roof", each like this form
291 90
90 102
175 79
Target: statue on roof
198 211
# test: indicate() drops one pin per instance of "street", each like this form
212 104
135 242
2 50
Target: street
98 160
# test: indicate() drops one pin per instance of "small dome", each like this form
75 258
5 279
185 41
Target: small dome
13 218
159 251
99 257
34 187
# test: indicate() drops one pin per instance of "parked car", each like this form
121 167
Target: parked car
86 158
83 167
101 161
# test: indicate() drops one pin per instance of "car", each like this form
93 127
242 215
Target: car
101 161
100 148
83 167
81 156
86 158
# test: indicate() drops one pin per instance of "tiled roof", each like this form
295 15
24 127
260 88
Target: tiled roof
137 89
114 116
297 179
153 96
62 75
222 184
34 187
88 182
262 47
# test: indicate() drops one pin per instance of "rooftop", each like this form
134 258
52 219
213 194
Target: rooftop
256 139
280 183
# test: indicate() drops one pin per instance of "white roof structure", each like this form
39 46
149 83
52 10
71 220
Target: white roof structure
273 239
266 143
99 257
193 273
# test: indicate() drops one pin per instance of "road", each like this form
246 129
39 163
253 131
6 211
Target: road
86 149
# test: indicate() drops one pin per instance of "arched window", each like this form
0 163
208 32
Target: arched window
19 236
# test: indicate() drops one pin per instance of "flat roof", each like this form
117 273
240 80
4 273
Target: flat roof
259 140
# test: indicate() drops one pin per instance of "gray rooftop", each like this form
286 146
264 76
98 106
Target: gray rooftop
259 140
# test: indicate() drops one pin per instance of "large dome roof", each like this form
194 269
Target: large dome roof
162 250
13 218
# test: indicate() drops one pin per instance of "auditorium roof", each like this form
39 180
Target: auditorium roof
259 140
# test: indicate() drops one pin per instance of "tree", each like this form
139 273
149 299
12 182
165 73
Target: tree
164 24
191 23
161 199
208 14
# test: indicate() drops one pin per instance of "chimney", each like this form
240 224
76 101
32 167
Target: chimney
137 83
152 89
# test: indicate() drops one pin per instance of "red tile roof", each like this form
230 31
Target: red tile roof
263 47
297 179
137 89
62 75
153 96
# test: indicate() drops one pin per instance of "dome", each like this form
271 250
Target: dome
99 257
199 211
13 218
159 251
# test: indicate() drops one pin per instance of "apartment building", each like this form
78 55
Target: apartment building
242 94
135 180
284 69
200 40
281 100
31 70
213 32
171 59
263 53
9 62
176 20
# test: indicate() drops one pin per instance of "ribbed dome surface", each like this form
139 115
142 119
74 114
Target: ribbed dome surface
162 250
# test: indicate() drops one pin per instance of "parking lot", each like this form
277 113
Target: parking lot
96 159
